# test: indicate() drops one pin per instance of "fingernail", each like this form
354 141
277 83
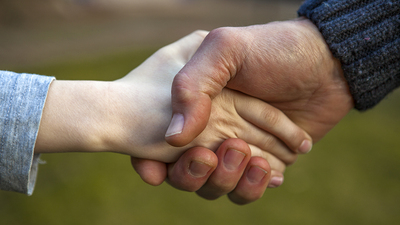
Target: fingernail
176 125
255 174
275 182
198 169
233 159
305 146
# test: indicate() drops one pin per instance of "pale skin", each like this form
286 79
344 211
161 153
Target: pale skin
287 64
131 115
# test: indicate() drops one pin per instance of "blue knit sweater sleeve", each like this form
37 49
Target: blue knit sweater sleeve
365 36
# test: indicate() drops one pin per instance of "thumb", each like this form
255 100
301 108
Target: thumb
199 81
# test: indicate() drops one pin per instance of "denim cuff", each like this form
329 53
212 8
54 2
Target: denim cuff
22 98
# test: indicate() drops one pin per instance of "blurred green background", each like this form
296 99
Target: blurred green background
352 176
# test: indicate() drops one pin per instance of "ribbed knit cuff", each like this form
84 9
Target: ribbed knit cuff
365 37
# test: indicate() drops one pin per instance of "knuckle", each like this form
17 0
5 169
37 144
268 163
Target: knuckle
223 36
221 32
296 139
269 142
181 89
271 115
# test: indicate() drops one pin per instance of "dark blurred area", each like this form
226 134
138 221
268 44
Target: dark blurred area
18 12
36 32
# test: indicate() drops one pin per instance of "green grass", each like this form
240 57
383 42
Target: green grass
351 177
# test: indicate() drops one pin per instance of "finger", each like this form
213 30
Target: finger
269 145
253 183
192 169
277 166
251 133
151 172
274 162
243 129
276 179
233 156
200 80
274 122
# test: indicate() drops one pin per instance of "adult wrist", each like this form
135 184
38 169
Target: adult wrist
365 37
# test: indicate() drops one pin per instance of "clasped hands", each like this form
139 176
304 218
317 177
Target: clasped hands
286 64
245 102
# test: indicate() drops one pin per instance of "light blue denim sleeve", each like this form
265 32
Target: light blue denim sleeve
22 98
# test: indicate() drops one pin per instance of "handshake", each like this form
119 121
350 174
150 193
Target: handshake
244 103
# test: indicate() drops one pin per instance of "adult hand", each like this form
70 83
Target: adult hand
212 175
287 64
